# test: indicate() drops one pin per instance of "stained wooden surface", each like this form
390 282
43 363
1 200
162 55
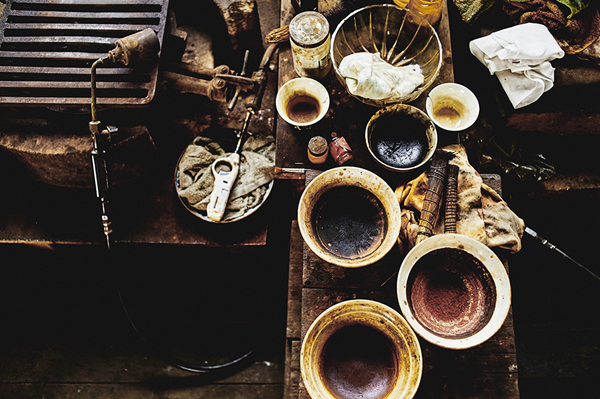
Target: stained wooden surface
487 371
347 116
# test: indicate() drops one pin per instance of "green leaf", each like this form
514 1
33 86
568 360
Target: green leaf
574 5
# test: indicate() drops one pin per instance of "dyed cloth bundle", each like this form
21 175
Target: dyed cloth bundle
481 213
574 30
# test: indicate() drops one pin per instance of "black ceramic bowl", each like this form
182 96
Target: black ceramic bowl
401 137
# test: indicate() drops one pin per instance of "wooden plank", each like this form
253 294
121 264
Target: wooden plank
294 283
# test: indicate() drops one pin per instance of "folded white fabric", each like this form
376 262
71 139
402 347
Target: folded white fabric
369 76
520 57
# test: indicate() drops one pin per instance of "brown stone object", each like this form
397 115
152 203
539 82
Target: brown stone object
63 159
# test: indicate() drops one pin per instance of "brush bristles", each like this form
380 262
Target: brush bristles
278 35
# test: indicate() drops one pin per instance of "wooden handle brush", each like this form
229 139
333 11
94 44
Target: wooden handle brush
451 201
433 195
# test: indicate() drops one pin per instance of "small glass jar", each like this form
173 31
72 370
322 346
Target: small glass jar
318 150
310 42
431 10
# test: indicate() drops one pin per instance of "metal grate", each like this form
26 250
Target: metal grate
48 46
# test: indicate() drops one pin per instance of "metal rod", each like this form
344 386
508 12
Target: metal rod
554 248
93 85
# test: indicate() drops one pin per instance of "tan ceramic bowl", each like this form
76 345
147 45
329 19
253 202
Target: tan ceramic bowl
361 348
349 217
453 291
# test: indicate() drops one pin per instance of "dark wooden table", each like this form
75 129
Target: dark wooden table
347 116
486 371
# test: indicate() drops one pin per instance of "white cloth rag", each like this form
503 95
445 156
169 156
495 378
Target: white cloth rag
520 57
368 75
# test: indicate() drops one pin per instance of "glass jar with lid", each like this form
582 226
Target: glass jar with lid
310 42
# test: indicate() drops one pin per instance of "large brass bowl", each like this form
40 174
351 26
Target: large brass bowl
361 349
402 38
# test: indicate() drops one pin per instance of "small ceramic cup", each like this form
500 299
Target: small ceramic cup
452 106
302 102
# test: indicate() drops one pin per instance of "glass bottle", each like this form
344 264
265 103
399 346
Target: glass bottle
310 42
339 149
401 3
431 10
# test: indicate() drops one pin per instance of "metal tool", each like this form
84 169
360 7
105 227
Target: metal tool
225 170
554 248
133 48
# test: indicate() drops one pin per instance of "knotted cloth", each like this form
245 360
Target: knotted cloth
482 214
196 180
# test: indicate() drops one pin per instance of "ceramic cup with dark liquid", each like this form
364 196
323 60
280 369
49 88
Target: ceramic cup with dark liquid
302 102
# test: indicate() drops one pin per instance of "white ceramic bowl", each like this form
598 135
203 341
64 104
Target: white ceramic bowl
302 102
452 106
453 291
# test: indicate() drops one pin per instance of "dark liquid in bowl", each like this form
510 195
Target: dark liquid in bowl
359 362
349 221
303 108
399 140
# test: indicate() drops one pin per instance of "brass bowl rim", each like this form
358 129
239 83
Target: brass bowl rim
359 177
417 92
432 135
488 259
369 313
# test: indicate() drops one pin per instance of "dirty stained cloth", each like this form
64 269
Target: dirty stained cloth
481 213
370 76
196 180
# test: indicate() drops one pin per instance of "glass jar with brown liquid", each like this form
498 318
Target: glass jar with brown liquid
431 10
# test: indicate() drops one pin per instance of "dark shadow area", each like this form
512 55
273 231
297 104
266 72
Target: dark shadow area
557 322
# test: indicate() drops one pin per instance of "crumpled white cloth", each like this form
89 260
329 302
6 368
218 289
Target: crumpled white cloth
520 57
368 75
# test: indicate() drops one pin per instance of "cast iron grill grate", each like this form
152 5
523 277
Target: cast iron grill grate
48 46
